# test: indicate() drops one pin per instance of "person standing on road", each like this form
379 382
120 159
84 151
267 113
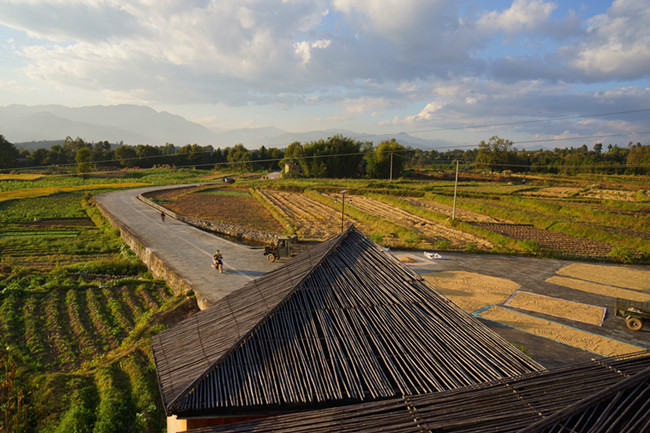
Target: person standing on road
162 216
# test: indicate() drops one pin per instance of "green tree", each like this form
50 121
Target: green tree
126 155
497 154
293 157
84 159
146 155
240 158
387 154
638 160
8 154
336 157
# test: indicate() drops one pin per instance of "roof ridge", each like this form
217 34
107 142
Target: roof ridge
336 241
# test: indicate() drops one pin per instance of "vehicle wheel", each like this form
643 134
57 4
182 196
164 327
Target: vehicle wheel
270 258
634 323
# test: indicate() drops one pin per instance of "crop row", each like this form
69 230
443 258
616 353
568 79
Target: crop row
119 396
67 326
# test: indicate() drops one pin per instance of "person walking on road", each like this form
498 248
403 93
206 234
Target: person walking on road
162 216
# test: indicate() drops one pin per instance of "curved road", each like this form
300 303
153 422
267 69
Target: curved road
185 249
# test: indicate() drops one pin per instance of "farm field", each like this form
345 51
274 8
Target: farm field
77 309
433 231
490 216
314 219
229 205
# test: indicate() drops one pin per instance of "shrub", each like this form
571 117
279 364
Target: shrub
641 196
621 255
531 247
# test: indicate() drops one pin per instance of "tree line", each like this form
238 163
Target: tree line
498 154
335 157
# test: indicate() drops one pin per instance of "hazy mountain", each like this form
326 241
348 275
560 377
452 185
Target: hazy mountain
132 124
128 123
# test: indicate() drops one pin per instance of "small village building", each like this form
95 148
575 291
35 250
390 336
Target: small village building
292 168
342 323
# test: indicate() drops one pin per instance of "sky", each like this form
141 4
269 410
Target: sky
453 70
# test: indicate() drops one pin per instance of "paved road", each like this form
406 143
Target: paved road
186 249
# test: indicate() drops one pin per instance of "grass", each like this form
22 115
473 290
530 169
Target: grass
220 191
17 194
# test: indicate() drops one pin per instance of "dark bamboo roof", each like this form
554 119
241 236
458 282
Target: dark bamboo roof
342 322
610 395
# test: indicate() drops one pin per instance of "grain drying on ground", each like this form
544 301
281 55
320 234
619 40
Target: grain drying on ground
472 291
557 307
555 331
619 276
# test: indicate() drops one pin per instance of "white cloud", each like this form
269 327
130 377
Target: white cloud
523 15
303 48
364 104
408 62
617 44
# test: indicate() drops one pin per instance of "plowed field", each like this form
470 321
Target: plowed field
551 240
432 230
229 205
313 219
462 214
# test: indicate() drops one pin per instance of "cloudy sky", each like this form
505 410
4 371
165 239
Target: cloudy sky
454 70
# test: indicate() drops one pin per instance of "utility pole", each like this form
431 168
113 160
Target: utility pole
342 206
453 213
391 166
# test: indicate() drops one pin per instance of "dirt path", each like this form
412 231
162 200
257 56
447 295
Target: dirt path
433 230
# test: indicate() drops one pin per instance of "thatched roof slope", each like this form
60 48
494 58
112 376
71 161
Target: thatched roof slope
185 352
605 395
343 322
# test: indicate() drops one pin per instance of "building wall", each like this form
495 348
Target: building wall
177 425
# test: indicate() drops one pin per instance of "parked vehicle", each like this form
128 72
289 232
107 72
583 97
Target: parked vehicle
633 312
284 248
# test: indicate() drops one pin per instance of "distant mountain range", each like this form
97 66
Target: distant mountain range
28 126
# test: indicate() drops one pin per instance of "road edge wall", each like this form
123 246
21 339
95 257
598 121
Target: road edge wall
155 264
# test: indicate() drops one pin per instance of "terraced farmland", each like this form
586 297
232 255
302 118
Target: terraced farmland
432 230
314 220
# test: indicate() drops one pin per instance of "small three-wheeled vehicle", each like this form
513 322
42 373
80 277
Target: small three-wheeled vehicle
633 312
284 248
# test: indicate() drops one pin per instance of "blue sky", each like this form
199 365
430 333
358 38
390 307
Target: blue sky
437 68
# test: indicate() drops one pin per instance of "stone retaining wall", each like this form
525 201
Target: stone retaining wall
155 265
